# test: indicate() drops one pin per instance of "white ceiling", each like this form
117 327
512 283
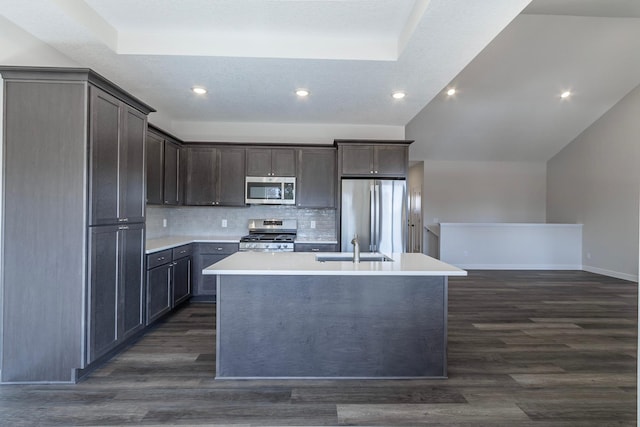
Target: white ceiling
351 54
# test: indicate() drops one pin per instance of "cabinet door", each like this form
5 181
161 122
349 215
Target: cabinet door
357 160
171 173
131 178
104 167
390 160
316 178
231 178
258 162
132 278
181 280
283 162
155 166
158 292
208 282
102 315
202 170
205 254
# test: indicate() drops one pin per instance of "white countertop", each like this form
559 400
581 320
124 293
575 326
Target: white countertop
305 263
162 243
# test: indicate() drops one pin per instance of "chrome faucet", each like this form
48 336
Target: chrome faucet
356 248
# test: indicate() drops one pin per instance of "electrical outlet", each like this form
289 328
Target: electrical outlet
313 224
224 223
164 222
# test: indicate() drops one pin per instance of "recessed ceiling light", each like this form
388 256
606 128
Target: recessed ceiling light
302 92
398 95
199 90
565 94
451 92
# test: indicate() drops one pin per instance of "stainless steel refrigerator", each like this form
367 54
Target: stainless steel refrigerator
375 210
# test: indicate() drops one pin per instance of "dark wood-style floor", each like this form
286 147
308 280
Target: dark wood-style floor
525 349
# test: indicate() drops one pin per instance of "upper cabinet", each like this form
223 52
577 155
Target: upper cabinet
316 183
164 172
116 169
271 162
215 176
384 159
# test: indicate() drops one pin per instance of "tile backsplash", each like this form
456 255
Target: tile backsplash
206 220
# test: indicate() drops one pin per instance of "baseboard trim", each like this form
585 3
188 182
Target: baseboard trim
611 273
518 266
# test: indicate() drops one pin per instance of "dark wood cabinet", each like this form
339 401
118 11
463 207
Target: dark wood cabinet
271 162
182 261
181 281
205 254
202 172
158 292
316 182
117 135
155 169
115 287
385 159
171 173
73 151
215 176
168 281
231 177
164 168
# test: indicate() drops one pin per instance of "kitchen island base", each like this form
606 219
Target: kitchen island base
303 326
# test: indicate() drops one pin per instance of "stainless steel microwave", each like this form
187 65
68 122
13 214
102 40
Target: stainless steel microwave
270 190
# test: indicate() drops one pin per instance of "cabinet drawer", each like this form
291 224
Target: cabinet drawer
158 258
218 248
316 247
182 251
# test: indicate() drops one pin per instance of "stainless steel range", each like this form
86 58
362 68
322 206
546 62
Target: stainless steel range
270 235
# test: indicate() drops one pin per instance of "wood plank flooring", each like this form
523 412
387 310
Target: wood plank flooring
526 348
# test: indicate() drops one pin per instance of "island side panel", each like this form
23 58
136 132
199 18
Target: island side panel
331 326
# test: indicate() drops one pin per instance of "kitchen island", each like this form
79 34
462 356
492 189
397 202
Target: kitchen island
292 315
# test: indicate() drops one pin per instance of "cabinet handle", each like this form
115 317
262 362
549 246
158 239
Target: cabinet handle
219 249
315 249
123 219
123 227
161 258
370 171
375 171
183 251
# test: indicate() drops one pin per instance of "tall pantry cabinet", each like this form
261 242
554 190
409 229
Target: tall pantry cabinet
73 221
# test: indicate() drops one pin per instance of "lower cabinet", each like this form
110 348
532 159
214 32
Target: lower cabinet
181 281
116 286
205 254
168 281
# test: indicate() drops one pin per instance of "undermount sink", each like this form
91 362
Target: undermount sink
348 257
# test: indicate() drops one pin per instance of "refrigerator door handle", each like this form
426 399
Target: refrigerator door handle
372 222
376 225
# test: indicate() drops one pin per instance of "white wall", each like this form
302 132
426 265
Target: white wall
17 47
294 133
470 191
595 180
512 246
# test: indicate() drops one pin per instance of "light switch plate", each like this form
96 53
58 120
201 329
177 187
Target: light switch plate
313 224
224 223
